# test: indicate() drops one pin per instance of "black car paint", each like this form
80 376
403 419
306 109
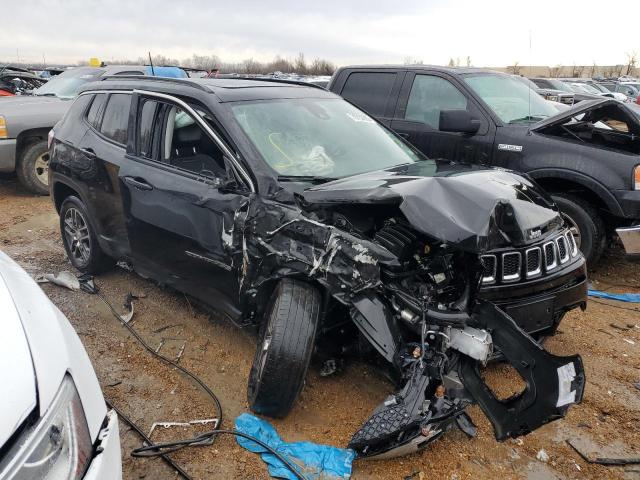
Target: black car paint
228 244
604 172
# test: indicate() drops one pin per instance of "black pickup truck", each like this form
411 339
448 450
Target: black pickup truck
587 157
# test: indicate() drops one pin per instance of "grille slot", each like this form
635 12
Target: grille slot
573 247
490 263
511 266
550 261
563 251
534 262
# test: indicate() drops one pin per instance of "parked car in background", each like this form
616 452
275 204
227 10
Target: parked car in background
587 157
17 81
578 96
605 92
54 421
550 94
293 211
25 121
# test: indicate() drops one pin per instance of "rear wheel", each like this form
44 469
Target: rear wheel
285 344
585 223
79 238
33 167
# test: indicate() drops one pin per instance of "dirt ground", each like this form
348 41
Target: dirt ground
330 409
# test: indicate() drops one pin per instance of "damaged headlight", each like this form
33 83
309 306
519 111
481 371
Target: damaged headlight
59 447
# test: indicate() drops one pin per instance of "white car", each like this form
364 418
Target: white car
54 423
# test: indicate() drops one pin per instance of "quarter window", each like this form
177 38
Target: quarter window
115 120
429 96
93 115
146 123
369 90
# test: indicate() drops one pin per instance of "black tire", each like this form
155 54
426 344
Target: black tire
79 238
285 344
32 168
582 216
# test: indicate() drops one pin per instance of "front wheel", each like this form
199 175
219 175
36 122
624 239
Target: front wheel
585 223
285 344
33 167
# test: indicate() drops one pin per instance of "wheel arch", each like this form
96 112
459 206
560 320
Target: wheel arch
559 180
28 137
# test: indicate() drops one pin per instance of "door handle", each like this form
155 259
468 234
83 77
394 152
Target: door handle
404 135
139 183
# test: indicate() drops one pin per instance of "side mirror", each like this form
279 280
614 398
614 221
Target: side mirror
458 121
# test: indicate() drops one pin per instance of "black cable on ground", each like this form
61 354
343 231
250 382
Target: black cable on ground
137 429
161 449
591 299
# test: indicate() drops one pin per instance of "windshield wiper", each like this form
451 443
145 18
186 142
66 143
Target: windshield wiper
529 118
304 178
45 94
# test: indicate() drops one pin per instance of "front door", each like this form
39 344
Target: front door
179 220
417 118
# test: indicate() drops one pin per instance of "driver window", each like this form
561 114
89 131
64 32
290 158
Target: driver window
429 95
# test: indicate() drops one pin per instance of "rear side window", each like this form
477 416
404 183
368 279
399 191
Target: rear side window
116 118
93 115
369 90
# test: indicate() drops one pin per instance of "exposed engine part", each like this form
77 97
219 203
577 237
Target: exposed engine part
473 342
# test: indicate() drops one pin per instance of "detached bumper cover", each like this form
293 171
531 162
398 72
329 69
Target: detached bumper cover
107 464
8 155
630 237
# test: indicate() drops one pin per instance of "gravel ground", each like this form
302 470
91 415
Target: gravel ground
330 409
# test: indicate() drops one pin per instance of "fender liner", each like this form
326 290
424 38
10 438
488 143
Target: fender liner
602 192
552 382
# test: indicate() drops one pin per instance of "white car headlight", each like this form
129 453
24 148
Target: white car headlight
59 446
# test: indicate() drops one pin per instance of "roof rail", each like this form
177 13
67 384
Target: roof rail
272 79
147 78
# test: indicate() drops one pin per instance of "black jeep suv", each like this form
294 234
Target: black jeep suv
288 209
587 157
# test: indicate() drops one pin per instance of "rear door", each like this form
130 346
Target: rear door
100 156
417 118
374 91
179 220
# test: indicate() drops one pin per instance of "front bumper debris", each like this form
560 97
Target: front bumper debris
439 387
630 237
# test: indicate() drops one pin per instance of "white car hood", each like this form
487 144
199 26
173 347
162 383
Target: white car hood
16 369
55 350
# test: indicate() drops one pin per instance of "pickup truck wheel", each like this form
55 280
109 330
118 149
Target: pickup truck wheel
285 344
33 168
585 223
79 238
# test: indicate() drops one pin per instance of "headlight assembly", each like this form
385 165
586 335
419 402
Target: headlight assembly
58 447
3 128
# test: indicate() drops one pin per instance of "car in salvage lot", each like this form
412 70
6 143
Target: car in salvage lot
25 121
586 157
291 211
54 422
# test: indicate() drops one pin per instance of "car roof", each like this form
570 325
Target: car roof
225 89
437 68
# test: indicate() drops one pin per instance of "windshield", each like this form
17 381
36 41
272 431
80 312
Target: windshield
68 83
511 100
600 88
559 85
322 138
590 88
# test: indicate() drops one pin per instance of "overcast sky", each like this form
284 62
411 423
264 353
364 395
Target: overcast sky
491 32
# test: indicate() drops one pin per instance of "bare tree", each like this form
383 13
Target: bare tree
556 71
452 63
576 71
594 69
468 61
618 69
300 64
632 62
515 68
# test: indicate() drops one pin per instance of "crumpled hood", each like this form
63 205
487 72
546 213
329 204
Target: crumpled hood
473 207
588 107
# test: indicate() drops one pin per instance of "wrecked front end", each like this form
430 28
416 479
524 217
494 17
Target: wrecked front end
400 257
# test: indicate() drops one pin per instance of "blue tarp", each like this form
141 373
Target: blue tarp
169 72
315 462
623 297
